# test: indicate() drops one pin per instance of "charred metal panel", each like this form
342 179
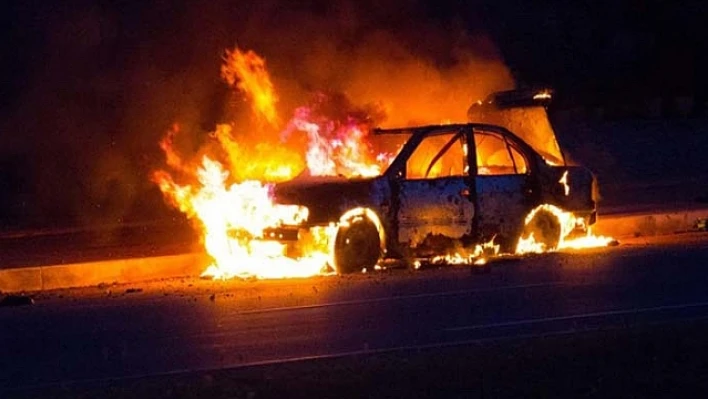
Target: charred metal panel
380 195
326 198
381 200
434 207
503 204
570 187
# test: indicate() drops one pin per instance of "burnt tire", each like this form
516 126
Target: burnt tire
545 228
357 246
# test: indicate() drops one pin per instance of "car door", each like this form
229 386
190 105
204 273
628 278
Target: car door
434 192
502 186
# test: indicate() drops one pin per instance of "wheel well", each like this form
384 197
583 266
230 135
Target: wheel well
368 213
549 224
349 219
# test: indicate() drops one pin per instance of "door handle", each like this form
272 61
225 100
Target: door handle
465 192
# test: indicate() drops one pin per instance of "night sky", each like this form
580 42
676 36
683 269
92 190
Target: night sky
88 87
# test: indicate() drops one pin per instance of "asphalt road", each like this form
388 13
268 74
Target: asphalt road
115 333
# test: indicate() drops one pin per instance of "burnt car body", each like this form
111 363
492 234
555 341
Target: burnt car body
456 184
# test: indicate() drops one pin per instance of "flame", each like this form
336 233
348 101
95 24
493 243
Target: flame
564 182
568 223
477 256
270 162
233 218
226 189
336 148
247 70
542 95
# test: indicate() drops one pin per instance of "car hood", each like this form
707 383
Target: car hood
327 198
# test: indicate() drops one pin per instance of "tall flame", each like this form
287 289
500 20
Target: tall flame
228 192
247 70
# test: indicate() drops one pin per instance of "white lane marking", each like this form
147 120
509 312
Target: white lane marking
580 316
403 297
335 355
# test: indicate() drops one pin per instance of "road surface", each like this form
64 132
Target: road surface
125 332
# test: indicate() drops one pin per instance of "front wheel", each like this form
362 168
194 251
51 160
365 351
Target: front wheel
357 246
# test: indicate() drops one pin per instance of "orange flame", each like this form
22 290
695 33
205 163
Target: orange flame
271 162
233 218
248 71
477 256
567 223
229 200
564 182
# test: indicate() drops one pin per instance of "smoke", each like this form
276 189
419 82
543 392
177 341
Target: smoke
418 71
102 83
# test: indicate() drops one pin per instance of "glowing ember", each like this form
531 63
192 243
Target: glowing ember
566 224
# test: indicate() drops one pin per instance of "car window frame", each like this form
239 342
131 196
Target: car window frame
457 135
509 143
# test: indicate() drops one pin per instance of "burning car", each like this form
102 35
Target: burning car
324 192
501 179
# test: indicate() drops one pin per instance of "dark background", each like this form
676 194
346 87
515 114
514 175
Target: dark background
87 88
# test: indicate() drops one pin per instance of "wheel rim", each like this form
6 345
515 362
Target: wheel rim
357 246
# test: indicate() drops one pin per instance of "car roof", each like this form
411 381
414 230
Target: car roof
441 127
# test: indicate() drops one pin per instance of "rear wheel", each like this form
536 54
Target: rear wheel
546 229
357 245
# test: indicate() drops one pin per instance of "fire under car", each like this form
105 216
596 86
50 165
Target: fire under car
452 186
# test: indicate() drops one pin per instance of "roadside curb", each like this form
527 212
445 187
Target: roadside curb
130 270
133 270
648 223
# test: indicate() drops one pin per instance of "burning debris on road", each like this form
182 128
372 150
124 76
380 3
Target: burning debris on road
324 192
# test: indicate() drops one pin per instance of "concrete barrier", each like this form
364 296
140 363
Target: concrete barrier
141 269
648 224
94 273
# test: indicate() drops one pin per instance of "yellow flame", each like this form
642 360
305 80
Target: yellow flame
586 241
477 256
233 218
542 95
568 223
230 202
527 245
